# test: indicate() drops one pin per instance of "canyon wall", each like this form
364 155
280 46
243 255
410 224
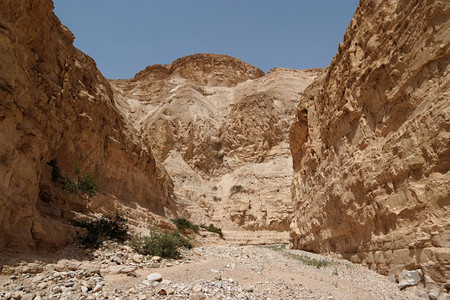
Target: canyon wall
371 143
56 108
221 128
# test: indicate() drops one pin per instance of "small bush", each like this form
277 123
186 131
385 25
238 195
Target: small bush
56 172
214 229
86 184
103 229
217 198
215 188
70 187
183 225
236 189
160 244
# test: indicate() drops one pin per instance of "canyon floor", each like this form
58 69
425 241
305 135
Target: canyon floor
215 270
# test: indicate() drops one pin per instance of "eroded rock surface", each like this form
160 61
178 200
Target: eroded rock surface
371 143
55 105
220 127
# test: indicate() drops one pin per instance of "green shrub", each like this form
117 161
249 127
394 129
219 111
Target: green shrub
215 188
183 225
160 244
56 172
236 189
217 198
103 229
86 184
70 187
214 229
318 263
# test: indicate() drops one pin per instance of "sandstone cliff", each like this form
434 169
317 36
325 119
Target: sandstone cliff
220 127
56 106
371 143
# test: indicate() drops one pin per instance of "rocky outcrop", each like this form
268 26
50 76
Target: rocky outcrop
57 107
371 141
220 127
203 69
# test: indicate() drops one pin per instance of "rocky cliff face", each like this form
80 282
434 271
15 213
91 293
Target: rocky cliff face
371 143
56 106
220 127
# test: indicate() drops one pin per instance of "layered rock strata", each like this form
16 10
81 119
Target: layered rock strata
57 108
220 127
371 143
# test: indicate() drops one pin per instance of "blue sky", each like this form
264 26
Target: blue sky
125 36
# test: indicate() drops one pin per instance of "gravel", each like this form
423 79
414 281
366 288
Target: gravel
217 272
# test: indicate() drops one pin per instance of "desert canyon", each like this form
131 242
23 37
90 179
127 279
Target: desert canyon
351 161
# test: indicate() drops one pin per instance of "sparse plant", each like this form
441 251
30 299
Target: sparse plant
87 185
183 225
160 244
236 189
215 188
276 247
70 187
212 228
103 229
215 198
318 263
77 169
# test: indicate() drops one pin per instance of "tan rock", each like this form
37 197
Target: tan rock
56 105
370 143
121 269
156 258
221 131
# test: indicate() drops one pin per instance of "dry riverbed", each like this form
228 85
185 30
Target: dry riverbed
213 272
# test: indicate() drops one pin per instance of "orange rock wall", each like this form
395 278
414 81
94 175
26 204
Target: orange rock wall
371 143
56 104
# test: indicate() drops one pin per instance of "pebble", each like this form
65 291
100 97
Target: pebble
97 288
16 295
154 277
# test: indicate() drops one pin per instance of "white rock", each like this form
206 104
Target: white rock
409 278
154 277
166 281
197 288
97 288
146 283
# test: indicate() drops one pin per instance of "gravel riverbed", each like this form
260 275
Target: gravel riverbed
214 272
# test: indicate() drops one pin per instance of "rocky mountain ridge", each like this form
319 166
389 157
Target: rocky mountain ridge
220 127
